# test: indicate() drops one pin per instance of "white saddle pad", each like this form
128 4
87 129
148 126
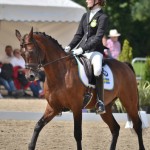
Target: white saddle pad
107 76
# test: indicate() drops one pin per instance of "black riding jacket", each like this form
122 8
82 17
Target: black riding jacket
89 34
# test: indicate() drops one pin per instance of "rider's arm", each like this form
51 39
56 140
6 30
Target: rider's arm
79 34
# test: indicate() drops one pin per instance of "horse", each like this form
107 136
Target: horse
64 89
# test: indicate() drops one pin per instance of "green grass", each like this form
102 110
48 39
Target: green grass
139 68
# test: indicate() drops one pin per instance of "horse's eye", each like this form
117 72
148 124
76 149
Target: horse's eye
29 47
23 49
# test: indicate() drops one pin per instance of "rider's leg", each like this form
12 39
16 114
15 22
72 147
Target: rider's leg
100 108
97 65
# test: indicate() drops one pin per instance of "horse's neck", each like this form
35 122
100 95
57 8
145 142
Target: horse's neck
56 68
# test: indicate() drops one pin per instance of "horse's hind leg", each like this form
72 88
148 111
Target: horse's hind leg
137 124
48 115
78 128
113 126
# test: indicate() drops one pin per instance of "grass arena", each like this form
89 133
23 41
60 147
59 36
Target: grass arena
58 134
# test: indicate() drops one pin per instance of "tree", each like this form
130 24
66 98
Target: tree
81 2
140 10
126 54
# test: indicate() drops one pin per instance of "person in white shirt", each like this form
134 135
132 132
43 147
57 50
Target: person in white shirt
17 60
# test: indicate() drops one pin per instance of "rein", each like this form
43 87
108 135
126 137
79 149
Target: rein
51 62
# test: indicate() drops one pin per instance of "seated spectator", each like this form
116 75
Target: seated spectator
42 76
6 73
36 89
19 76
17 60
8 54
19 70
42 79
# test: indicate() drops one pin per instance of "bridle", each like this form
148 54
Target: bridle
36 67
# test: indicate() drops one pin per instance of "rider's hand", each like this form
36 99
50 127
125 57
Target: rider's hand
78 51
67 49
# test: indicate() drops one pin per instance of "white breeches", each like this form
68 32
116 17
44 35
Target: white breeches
96 60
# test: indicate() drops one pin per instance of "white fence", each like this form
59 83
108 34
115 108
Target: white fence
141 60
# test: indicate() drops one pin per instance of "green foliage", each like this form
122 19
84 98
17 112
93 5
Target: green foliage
81 2
147 70
126 54
144 93
140 10
119 106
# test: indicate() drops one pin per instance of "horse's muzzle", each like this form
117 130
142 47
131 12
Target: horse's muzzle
31 76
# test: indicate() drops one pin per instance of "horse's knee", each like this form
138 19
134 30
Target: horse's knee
40 124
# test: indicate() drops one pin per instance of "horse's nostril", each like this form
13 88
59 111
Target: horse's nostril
32 77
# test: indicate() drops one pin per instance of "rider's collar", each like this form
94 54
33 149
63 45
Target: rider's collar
95 10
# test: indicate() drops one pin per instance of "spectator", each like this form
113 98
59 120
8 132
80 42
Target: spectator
113 44
6 73
19 70
9 54
42 76
18 60
19 76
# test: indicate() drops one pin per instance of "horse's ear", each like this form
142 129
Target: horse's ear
18 35
30 36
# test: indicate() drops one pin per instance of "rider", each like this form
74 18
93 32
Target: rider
88 40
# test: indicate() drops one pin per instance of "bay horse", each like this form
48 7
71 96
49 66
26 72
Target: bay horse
64 89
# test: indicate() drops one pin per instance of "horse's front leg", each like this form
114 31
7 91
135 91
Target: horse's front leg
48 115
78 128
113 126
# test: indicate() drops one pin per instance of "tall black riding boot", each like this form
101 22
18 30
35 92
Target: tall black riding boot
100 107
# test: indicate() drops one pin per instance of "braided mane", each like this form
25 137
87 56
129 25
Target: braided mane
50 38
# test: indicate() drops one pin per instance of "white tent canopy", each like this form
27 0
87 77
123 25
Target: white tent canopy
40 10
58 18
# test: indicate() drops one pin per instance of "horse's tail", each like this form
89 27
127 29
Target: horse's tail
130 66
128 117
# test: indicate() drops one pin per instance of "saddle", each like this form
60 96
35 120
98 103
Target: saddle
89 69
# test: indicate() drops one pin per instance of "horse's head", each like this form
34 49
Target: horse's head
40 50
31 52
